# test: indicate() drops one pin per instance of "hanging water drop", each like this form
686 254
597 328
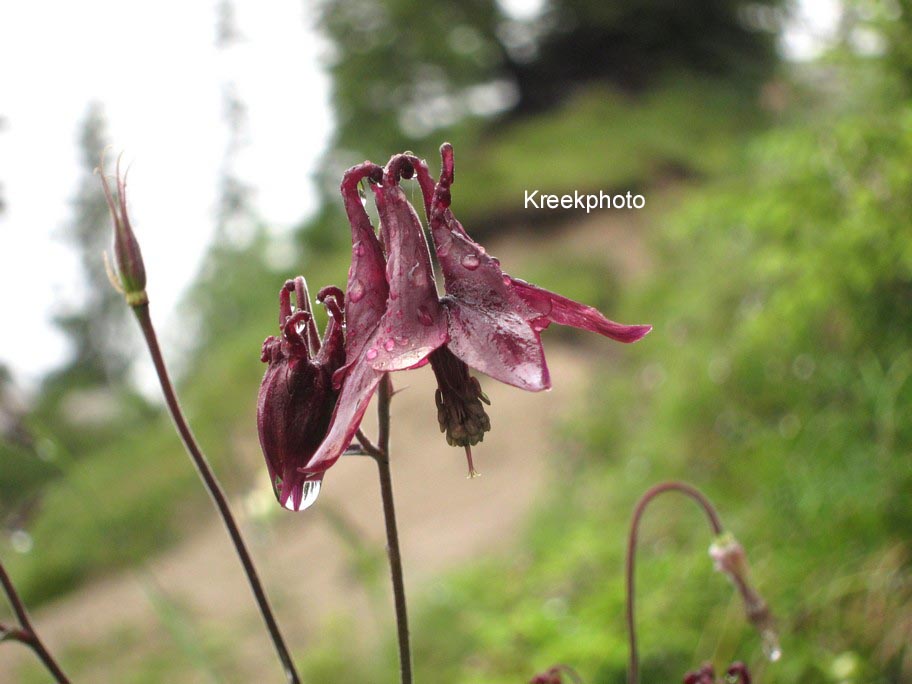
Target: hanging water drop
470 262
770 643
311 490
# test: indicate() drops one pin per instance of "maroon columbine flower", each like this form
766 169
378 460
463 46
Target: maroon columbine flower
737 673
555 675
487 320
297 397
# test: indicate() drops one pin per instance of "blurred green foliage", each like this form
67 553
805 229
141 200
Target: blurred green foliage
778 379
408 74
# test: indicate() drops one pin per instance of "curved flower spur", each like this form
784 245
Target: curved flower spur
297 397
487 320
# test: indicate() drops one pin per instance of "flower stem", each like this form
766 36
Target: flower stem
215 490
26 633
384 395
633 668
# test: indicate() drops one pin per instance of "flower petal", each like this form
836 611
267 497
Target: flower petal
367 286
414 324
359 387
499 343
568 312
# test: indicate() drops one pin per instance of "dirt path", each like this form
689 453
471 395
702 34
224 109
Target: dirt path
306 564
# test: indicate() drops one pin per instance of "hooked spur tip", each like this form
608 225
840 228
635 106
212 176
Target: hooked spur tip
639 332
447 164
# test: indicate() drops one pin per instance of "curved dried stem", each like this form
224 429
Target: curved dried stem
633 668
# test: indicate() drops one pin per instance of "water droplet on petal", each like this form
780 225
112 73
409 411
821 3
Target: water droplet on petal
311 490
425 316
389 345
358 249
404 341
470 262
371 354
507 279
356 291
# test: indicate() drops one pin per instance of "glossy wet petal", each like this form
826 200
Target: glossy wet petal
498 342
357 390
367 286
565 311
414 324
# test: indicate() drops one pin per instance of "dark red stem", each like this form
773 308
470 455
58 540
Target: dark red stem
633 668
384 396
215 491
26 633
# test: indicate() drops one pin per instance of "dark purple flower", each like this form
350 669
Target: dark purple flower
705 675
487 320
737 673
297 396
555 675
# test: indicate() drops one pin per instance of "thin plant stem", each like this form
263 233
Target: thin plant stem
215 491
633 668
26 633
381 456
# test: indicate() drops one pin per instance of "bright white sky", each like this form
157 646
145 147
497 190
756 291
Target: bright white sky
157 71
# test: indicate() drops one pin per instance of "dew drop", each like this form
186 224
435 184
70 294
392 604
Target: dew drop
311 490
358 249
371 354
356 291
21 541
470 262
507 280
389 345
771 648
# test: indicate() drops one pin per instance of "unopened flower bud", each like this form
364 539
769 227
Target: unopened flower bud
129 273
